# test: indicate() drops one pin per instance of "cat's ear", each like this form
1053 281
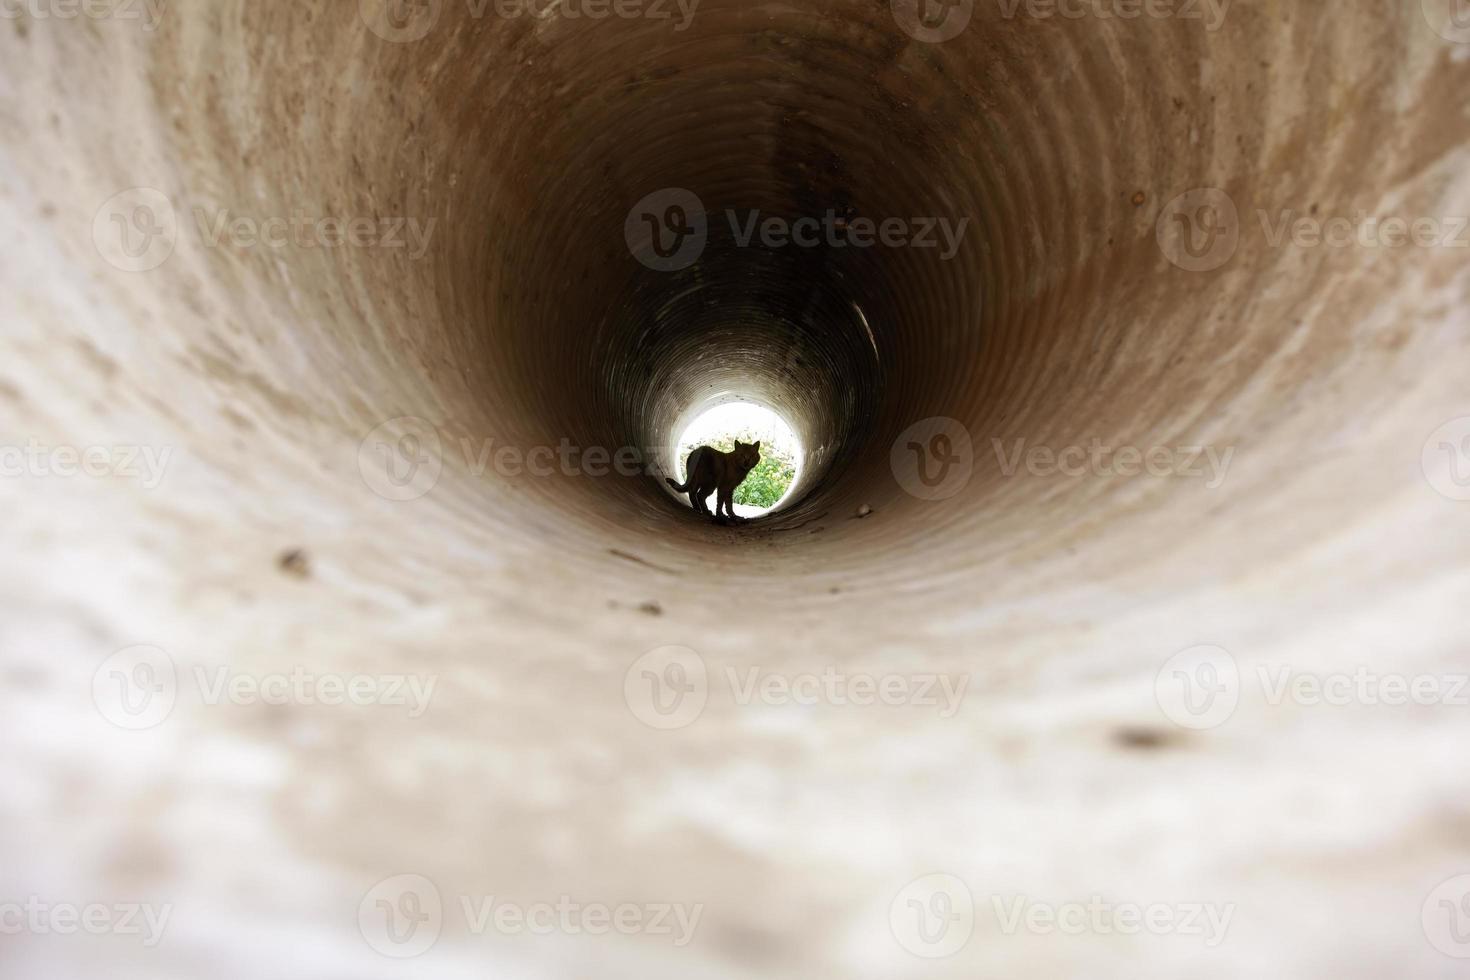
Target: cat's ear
756 447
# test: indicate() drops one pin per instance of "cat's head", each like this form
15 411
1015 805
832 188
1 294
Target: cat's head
749 454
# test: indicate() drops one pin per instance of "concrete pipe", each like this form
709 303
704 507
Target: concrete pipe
1114 628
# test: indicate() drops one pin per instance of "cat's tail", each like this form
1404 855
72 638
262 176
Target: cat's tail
670 481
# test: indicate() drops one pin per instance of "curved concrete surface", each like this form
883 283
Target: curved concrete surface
326 495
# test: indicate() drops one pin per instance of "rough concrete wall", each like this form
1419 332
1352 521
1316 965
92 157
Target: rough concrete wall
265 538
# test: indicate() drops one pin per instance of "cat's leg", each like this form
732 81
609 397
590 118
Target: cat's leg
730 507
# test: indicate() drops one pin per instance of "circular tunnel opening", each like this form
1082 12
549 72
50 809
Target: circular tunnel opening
730 313
729 420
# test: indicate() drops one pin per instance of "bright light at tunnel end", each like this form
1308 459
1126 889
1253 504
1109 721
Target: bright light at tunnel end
746 421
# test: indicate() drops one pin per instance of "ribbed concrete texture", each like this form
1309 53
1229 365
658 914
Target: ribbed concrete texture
350 630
